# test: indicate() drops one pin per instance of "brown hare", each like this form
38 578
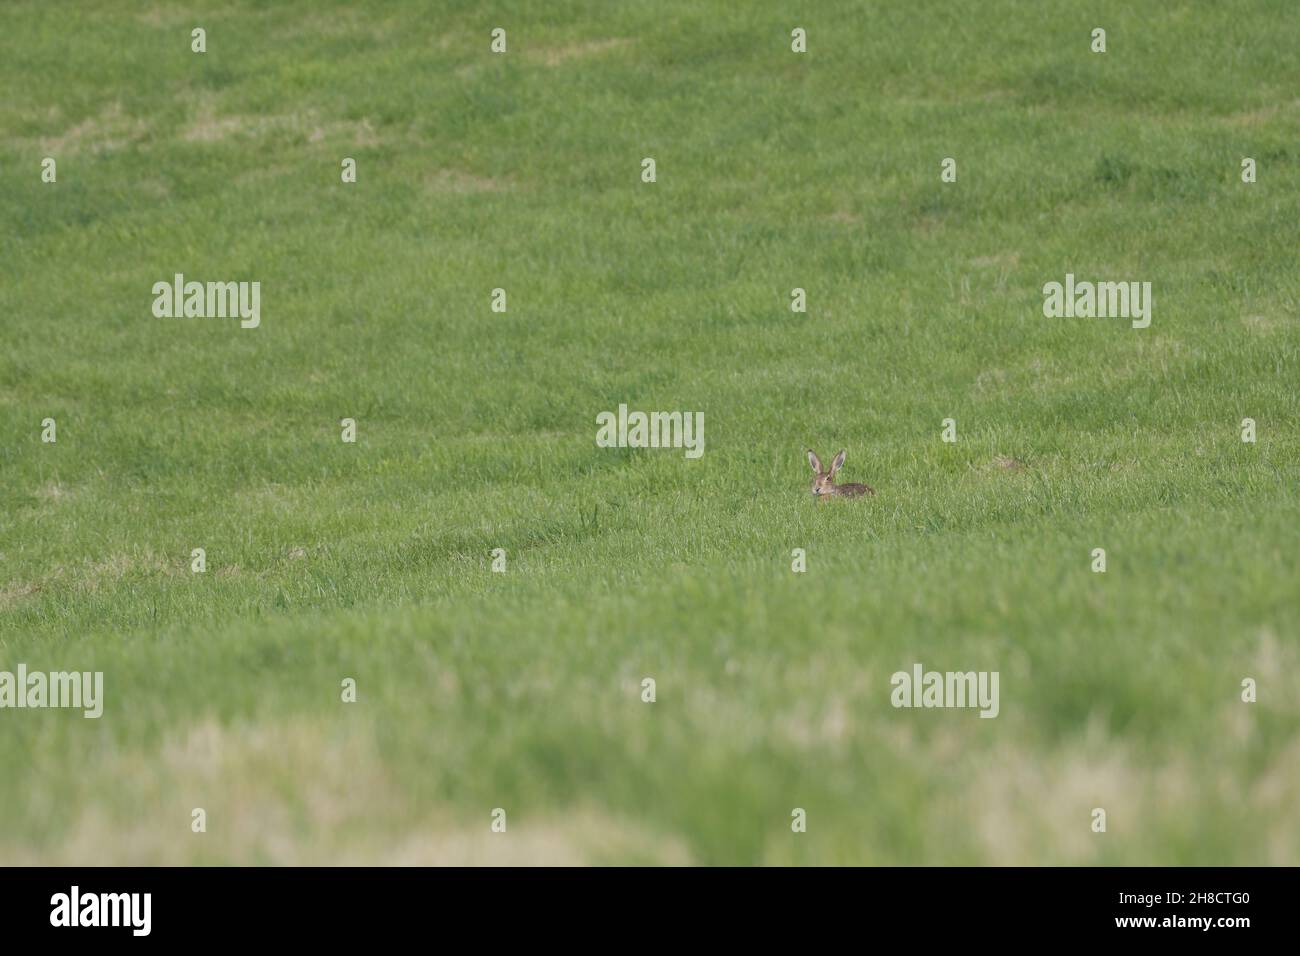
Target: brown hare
824 486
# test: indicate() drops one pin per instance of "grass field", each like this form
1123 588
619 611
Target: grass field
475 431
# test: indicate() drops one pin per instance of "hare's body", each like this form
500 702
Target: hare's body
824 486
851 489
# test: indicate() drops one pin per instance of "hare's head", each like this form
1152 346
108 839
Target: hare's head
824 483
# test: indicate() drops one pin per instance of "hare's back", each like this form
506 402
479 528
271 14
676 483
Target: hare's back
852 490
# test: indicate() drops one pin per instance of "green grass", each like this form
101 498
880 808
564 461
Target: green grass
476 431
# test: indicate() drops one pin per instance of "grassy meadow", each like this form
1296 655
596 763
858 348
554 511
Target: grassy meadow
475 431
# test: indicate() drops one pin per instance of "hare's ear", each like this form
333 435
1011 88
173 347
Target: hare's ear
814 461
838 463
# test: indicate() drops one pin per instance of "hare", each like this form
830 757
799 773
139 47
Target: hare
824 484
